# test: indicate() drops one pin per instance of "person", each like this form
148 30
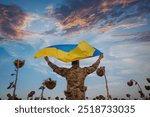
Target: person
75 77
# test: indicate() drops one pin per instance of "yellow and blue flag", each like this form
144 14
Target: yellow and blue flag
69 52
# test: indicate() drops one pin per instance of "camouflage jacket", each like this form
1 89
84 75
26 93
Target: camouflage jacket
75 76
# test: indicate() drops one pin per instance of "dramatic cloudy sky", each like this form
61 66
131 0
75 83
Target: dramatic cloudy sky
119 28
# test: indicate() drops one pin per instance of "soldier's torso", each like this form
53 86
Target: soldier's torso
75 77
75 83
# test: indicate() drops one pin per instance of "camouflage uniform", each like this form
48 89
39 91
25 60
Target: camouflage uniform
75 79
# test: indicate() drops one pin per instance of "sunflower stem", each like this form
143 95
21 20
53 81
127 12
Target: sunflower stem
14 92
107 89
139 87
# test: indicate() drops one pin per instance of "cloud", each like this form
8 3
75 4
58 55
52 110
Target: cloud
74 16
133 37
52 31
13 21
110 27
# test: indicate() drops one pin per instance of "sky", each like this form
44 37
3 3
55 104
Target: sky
119 28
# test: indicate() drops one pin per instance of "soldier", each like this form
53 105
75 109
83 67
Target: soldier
75 77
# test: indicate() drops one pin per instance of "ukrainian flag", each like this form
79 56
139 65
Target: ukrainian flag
69 52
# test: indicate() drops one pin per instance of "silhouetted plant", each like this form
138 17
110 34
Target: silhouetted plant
147 87
101 72
115 99
9 96
109 96
37 98
57 98
97 97
133 82
49 83
11 85
44 98
148 80
130 83
61 98
101 97
141 94
13 97
128 95
18 64
42 88
12 74
30 95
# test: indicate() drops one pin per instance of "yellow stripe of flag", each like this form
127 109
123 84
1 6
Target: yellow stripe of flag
83 50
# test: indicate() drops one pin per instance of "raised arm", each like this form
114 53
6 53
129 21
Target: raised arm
59 70
94 66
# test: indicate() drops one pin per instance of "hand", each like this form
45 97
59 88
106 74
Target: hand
101 56
46 58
